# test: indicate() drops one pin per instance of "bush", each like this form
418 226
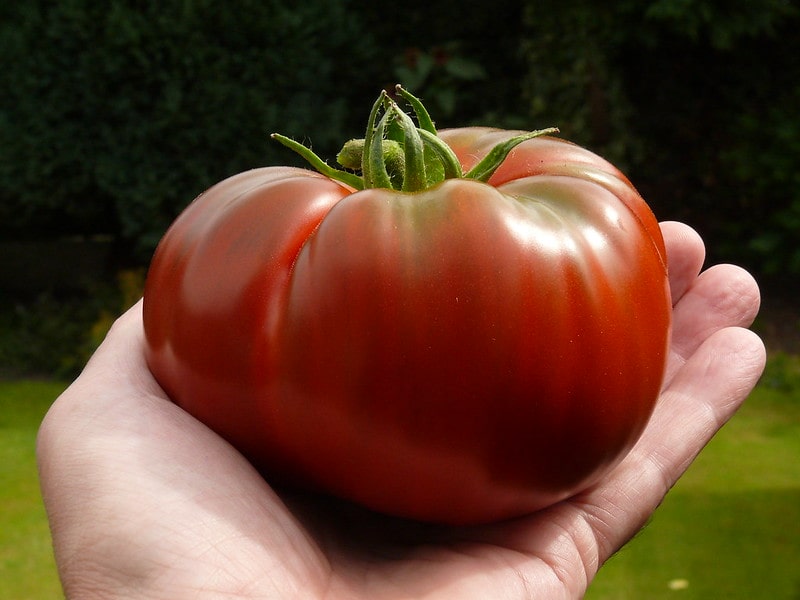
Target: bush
573 78
53 334
695 100
782 373
45 336
115 115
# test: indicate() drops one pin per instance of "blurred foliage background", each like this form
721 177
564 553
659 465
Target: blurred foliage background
115 115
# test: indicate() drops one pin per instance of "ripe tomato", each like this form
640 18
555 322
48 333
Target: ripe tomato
462 353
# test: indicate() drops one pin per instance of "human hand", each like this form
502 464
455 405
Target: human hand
146 502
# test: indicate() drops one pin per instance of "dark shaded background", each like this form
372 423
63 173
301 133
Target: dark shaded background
114 117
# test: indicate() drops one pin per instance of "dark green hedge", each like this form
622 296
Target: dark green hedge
114 115
697 100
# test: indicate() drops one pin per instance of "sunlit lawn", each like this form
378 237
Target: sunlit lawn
729 529
27 569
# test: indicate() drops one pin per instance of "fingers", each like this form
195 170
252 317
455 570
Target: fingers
703 395
713 366
722 296
699 401
120 358
685 255
115 370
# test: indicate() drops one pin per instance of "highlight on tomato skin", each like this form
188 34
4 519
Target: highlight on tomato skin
476 348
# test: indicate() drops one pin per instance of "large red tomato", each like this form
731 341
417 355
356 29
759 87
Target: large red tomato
462 353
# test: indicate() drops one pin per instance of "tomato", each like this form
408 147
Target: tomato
461 353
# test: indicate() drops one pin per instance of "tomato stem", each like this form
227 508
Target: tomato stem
423 117
448 158
492 161
320 165
366 161
414 178
398 154
374 165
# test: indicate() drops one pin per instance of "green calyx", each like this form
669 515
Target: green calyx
398 154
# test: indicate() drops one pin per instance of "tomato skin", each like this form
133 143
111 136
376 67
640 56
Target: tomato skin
461 355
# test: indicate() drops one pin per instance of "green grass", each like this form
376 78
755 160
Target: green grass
729 529
27 568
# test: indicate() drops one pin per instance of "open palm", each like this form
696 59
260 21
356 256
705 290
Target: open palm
146 502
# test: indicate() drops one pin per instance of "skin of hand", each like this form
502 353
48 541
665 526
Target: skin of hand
146 502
